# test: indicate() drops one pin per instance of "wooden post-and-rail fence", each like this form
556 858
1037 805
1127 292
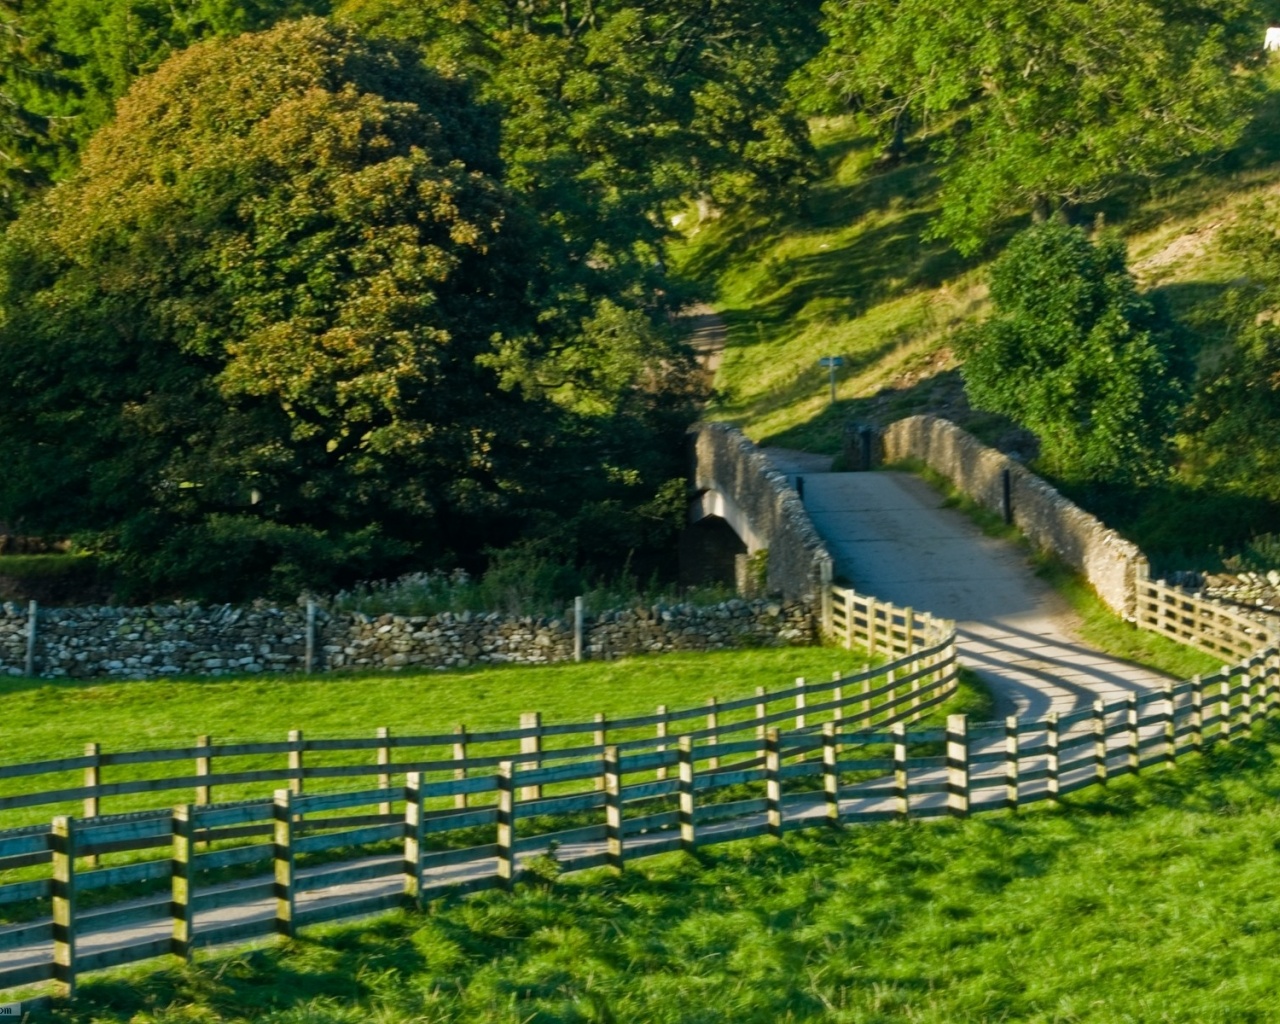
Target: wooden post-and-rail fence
818 753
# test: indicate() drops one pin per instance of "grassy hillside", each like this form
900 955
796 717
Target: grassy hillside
849 275
1152 900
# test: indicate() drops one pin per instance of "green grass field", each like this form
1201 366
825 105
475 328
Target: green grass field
55 719
1151 901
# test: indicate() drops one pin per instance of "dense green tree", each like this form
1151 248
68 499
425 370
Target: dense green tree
264 328
1075 354
618 111
1039 105
64 64
31 67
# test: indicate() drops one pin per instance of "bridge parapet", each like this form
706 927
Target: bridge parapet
737 482
1114 566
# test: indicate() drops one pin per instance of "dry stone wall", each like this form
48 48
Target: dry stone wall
101 642
1110 563
726 461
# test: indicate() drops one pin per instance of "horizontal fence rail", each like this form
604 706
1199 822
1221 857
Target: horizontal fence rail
880 627
1210 626
434 817
388 818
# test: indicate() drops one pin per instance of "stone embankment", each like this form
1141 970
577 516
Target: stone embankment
185 639
1255 593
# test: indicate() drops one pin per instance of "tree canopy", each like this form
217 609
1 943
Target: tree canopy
262 327
1044 104
1074 353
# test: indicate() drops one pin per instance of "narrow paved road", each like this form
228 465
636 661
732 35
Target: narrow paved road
891 538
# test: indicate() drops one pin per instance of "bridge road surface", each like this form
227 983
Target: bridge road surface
891 538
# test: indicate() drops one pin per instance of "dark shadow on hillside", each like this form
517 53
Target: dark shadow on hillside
1190 186
885 261
1177 526
936 392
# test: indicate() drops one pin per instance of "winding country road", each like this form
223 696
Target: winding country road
892 538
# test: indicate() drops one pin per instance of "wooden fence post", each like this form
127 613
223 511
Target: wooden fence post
890 695
909 628
773 783
1197 713
33 616
1134 758
1051 760
837 697
577 628
309 656
1011 762
713 724
901 790
762 712
384 759
460 755
295 761
660 730
413 836
1100 742
600 738
1246 696
825 574
531 745
506 825
615 847
688 834
871 625
1170 729
282 856
204 768
800 702
958 765
180 909
831 773
62 844
866 700
92 780
1224 709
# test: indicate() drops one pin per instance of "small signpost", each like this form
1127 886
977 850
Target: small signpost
832 363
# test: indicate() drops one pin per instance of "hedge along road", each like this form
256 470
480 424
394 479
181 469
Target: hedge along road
892 539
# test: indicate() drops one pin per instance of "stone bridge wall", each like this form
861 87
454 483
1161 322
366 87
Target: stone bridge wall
1110 563
729 464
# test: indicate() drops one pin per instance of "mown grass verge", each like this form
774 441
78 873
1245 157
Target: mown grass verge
1150 900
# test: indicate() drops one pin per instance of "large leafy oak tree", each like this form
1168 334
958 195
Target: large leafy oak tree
259 330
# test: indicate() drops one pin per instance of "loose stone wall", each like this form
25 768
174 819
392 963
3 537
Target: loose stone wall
94 642
1110 563
771 516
